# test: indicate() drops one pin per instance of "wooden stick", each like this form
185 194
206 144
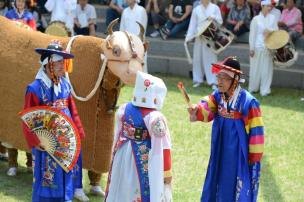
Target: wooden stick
180 85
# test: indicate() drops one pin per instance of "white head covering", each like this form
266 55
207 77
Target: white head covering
149 91
265 2
43 76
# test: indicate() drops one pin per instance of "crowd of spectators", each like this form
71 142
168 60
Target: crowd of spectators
169 18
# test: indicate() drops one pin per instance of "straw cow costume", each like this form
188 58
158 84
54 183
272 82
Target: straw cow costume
237 137
103 65
141 165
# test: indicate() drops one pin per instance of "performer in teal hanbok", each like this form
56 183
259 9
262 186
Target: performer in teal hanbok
50 182
237 139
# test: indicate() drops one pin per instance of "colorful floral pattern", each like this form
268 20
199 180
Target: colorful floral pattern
159 127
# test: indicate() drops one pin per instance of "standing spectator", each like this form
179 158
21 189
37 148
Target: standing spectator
291 20
132 14
239 18
115 10
3 8
63 11
156 10
203 56
179 18
21 14
261 64
274 11
85 19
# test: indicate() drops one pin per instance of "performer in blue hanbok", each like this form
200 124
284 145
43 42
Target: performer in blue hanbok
237 137
50 182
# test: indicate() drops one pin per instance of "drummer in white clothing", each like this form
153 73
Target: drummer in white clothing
261 63
203 56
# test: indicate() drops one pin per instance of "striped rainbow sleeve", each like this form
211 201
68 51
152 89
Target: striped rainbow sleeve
255 129
206 109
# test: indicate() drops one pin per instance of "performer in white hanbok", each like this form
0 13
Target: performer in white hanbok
261 63
141 165
132 14
63 11
203 56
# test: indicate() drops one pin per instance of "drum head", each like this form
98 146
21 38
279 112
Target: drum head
277 39
202 28
57 28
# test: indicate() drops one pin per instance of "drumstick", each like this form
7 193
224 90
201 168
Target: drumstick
180 85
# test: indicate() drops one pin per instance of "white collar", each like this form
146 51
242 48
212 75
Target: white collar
48 82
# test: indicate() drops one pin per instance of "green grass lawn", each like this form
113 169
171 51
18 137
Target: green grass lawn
282 177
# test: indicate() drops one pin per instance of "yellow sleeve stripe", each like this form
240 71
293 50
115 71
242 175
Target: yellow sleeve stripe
257 148
255 122
211 105
168 173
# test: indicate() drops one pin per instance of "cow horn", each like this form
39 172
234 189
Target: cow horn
142 31
111 25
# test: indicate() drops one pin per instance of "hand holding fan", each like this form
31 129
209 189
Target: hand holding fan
56 132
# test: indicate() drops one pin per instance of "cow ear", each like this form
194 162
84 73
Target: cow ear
146 46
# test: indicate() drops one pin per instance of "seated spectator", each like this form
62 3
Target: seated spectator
274 11
85 19
255 7
225 7
179 18
156 10
238 20
41 23
291 20
3 8
21 14
115 10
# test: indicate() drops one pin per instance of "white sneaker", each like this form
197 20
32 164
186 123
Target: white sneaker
96 190
155 34
80 195
12 171
196 84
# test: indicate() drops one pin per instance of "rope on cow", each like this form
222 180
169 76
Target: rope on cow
100 76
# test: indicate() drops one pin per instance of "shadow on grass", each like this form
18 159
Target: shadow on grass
268 185
19 187
280 97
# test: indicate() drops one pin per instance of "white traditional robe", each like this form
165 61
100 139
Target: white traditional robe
261 64
123 181
203 56
128 23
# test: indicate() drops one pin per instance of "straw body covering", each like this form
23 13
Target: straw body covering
149 91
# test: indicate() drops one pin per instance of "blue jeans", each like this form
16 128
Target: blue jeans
111 15
175 28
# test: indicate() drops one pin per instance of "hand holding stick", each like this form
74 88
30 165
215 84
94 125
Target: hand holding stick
180 85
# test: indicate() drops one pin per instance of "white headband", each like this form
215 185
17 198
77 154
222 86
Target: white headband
54 57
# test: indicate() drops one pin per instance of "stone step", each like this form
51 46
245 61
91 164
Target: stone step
180 67
101 14
175 48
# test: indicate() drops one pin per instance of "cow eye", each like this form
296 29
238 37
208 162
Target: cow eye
116 51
